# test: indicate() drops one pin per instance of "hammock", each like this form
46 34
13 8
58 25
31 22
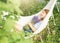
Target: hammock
26 19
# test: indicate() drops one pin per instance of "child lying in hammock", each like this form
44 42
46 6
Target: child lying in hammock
37 20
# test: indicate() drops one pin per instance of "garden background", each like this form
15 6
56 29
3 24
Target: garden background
11 10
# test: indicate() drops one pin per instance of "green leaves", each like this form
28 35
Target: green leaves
4 40
9 24
31 8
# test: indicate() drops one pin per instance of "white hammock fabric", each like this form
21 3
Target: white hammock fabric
26 19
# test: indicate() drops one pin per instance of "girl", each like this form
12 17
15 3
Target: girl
37 20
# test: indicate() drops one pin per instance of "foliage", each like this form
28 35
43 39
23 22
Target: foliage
31 8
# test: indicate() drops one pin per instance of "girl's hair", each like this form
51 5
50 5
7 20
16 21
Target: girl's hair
46 11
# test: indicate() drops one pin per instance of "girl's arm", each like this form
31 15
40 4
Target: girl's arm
32 27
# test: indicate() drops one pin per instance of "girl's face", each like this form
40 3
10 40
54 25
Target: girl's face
43 14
